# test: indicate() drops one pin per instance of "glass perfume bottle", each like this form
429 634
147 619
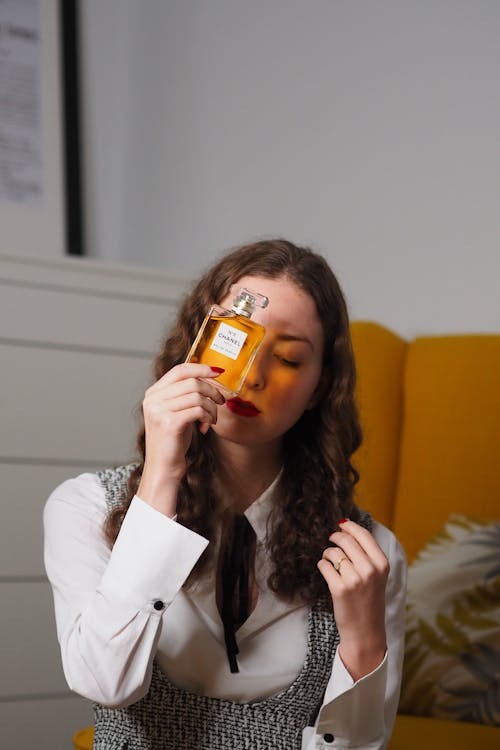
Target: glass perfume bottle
230 339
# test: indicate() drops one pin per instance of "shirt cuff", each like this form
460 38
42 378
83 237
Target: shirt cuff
151 558
349 704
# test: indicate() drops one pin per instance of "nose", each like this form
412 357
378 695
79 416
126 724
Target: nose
256 376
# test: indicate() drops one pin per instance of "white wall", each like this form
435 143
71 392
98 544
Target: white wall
367 128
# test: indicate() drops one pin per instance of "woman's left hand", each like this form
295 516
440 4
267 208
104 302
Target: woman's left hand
356 572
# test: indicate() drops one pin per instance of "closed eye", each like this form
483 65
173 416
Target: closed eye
288 362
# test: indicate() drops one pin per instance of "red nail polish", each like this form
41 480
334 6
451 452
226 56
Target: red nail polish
343 520
219 370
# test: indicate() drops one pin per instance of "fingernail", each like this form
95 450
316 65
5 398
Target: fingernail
343 520
219 370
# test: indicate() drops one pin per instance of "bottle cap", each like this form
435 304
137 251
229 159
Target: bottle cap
246 301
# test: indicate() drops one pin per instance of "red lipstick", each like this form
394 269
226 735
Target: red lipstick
242 408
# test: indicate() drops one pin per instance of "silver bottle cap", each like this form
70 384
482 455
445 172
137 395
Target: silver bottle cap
247 300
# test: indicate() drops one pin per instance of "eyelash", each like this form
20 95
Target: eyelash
288 362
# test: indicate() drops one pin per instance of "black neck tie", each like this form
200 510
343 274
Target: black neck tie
236 565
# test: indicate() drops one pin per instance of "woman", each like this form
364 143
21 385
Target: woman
225 591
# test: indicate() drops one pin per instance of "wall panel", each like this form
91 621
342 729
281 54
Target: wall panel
80 319
76 344
43 724
33 664
67 405
28 485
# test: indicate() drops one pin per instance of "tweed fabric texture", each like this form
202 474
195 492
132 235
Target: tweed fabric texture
172 718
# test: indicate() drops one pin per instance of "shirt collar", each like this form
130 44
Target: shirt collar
258 512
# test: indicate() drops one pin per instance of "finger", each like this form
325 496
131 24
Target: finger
332 577
181 420
204 428
326 570
336 558
347 545
342 568
360 560
358 543
172 416
191 401
184 387
190 369
161 393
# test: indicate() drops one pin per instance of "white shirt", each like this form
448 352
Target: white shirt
109 629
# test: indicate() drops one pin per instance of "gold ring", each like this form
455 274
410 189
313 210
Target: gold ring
338 563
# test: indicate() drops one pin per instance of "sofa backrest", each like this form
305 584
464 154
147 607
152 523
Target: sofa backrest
380 358
450 446
444 455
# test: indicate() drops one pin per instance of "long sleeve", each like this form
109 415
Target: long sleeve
109 604
361 714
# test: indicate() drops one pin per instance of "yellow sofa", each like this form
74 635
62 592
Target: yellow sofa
430 411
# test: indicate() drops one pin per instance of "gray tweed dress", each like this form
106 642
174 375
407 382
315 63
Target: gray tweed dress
171 718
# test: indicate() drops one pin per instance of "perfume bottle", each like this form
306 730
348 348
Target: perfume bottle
230 339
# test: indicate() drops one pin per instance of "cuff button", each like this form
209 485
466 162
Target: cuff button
159 605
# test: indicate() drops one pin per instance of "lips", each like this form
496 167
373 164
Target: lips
242 408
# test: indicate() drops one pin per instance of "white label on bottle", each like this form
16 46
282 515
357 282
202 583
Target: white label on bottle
228 341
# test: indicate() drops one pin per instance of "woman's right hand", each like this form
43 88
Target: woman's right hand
171 407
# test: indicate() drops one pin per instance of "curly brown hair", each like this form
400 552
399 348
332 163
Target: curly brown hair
316 485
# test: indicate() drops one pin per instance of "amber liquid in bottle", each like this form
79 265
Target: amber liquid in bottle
228 339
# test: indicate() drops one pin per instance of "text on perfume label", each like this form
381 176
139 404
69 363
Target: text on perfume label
228 341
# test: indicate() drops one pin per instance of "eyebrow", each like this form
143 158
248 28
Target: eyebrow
293 337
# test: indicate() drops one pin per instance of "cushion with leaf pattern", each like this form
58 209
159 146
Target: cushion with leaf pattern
452 656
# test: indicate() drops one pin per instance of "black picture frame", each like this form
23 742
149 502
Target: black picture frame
71 126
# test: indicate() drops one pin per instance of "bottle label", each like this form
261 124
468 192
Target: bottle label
228 341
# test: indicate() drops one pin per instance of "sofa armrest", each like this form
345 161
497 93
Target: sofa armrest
415 733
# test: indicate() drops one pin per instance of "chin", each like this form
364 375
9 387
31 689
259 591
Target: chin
244 434
236 434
